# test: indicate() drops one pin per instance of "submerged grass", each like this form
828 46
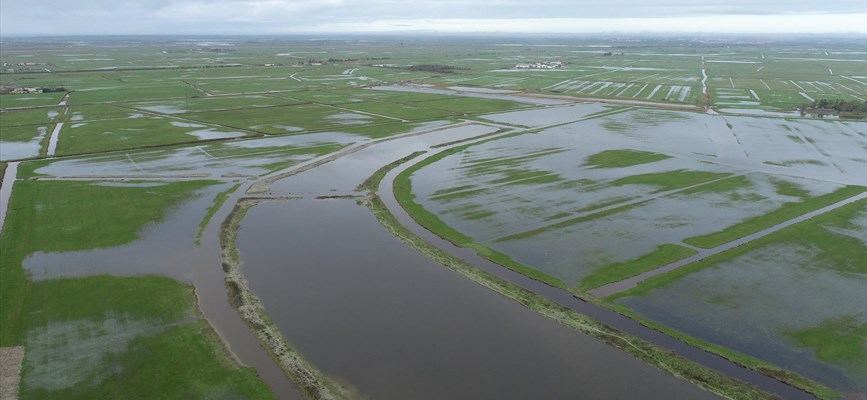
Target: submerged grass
786 212
569 222
669 180
836 339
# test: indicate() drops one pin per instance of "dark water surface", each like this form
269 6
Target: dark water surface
367 310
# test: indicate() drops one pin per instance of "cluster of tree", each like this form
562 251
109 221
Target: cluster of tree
841 108
840 105
443 69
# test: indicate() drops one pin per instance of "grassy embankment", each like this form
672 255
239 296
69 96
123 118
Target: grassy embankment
219 200
660 358
107 336
313 383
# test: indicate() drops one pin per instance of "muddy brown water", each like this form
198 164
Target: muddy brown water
368 310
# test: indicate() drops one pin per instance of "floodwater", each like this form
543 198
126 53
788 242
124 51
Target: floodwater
9 176
765 289
346 173
547 116
19 150
247 157
475 93
374 313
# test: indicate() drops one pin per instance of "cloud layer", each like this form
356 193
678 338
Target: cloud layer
28 17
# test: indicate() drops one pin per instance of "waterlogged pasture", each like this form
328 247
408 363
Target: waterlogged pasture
596 201
594 194
286 119
138 130
570 210
100 336
233 158
800 290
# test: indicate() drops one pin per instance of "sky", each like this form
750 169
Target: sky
118 17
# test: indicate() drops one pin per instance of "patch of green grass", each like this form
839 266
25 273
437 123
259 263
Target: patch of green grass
285 119
836 339
397 110
623 158
663 255
215 103
30 100
471 105
129 133
23 133
381 130
162 300
184 359
786 212
669 180
787 188
41 116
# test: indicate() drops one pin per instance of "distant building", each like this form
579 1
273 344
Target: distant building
25 90
541 65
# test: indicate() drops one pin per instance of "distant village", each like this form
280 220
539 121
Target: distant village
29 90
541 65
25 67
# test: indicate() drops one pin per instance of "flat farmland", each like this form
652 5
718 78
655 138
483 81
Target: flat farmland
667 181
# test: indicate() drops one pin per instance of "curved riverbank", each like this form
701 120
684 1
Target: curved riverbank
313 384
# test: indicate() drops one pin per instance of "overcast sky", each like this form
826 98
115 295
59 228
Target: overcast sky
61 17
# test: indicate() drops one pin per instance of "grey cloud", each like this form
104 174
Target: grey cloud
265 16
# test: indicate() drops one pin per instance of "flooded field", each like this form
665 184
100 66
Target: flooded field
559 169
806 293
433 333
596 201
